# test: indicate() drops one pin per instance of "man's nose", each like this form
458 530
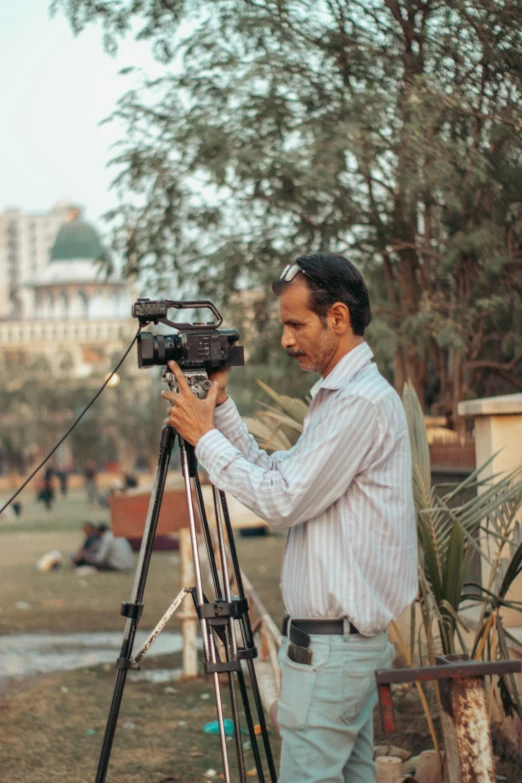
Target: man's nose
288 339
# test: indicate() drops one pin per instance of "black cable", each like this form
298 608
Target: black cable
73 425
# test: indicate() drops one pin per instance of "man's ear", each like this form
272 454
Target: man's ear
341 320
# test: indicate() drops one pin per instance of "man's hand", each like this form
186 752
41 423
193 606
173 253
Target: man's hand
221 378
188 415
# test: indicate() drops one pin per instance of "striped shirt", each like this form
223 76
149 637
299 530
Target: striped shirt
344 491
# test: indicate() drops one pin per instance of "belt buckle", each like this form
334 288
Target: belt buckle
298 654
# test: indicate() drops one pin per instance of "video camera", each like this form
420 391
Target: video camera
197 346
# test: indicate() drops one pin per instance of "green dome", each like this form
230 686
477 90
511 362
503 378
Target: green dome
77 239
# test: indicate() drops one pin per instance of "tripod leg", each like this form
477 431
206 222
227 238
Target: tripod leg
206 534
133 608
234 709
240 675
234 656
209 647
248 639
251 729
229 636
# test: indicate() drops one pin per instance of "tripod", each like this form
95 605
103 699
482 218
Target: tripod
218 619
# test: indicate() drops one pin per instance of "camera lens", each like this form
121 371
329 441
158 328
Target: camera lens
170 349
157 349
146 350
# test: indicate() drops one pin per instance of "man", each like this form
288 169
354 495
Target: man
113 554
344 493
91 488
46 493
89 547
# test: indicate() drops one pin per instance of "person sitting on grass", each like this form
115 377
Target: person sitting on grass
89 546
113 554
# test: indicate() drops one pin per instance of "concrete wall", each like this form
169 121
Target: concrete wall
498 435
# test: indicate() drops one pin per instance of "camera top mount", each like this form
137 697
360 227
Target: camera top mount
155 311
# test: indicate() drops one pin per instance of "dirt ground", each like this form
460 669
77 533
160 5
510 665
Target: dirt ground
52 730
51 726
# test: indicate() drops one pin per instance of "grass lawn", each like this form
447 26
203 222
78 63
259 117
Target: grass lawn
66 601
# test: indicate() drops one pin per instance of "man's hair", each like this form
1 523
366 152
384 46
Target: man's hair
340 281
102 527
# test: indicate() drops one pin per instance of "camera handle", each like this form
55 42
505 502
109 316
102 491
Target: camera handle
217 619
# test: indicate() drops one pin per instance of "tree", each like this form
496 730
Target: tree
386 129
123 425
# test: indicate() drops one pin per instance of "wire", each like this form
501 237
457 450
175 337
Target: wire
73 425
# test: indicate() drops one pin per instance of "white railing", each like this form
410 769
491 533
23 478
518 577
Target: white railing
32 332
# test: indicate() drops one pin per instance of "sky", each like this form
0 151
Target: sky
55 88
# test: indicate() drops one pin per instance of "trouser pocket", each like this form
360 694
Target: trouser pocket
298 682
359 667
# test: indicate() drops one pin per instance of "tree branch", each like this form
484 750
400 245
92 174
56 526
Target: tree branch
399 245
506 367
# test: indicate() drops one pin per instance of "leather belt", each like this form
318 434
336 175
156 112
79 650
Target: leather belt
301 629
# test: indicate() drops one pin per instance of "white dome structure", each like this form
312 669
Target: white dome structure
75 316
74 286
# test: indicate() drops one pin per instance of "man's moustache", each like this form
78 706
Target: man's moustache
295 354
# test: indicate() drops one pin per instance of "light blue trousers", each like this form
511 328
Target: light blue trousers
325 710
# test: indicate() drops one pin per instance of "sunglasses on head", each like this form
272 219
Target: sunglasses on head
290 271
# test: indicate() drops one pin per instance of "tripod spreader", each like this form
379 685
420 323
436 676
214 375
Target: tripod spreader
217 615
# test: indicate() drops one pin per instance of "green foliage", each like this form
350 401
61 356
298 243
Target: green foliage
123 425
386 130
448 534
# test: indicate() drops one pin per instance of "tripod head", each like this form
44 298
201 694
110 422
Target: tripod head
197 380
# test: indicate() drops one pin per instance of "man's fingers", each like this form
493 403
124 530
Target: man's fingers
170 395
212 394
182 381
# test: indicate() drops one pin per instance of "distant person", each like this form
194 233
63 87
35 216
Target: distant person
117 486
89 547
130 481
4 464
13 511
113 554
62 476
91 488
46 492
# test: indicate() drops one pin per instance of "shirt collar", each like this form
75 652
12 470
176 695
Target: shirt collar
345 369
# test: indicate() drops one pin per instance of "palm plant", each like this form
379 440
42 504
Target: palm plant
277 427
449 533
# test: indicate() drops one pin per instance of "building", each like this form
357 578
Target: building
25 244
56 300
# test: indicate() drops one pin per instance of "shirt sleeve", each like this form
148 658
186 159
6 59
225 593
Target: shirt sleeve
231 425
316 472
